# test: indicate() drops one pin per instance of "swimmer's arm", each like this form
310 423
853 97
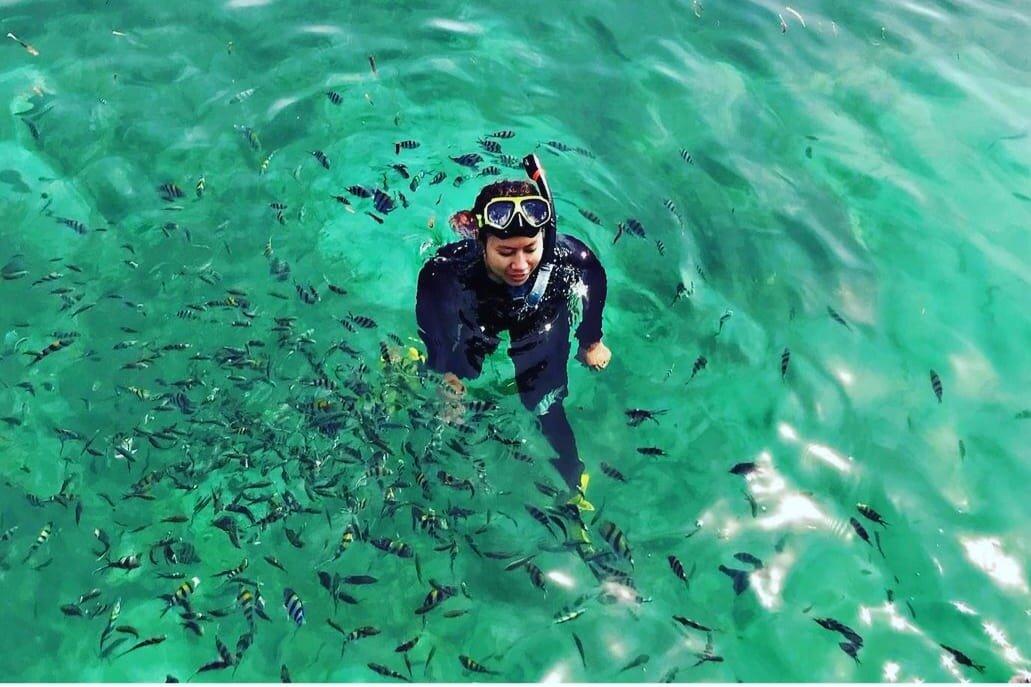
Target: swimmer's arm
436 313
593 274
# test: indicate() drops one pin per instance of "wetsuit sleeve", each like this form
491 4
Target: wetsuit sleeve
593 276
436 312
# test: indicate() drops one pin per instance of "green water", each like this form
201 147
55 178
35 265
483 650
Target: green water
869 158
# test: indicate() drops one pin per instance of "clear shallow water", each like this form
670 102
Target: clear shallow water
874 161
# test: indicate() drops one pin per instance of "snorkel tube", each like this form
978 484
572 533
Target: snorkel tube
533 168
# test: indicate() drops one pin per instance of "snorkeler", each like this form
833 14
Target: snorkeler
514 272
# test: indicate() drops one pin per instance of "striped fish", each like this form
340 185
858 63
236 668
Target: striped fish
294 607
615 538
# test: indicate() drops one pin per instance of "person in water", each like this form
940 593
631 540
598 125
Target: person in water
514 273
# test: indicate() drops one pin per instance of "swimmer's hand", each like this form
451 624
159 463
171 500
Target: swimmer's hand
451 393
596 356
452 385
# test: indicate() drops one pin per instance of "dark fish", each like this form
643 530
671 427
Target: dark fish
437 178
376 218
568 614
76 226
71 610
639 661
638 415
785 358
707 656
612 472
651 451
632 227
590 216
739 578
536 576
541 517
326 580
748 558
146 642
362 321
850 649
394 546
682 292
474 667
458 181
742 469
372 64
230 527
877 538
687 622
382 202
870 514
489 171
686 156
321 157
468 159
580 650
615 538
405 145
437 595
401 169
936 385
126 563
678 568
360 633
860 530
838 318
215 665
52 348
360 191
387 672
504 133
559 146
294 538
962 658
171 191
334 97
490 146
723 319
835 626
661 247
241 96
405 646
429 657
294 607
359 579
699 364
284 672
233 572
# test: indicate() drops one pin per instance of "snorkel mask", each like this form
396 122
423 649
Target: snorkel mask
508 216
515 215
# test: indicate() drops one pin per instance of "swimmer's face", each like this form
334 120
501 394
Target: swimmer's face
514 259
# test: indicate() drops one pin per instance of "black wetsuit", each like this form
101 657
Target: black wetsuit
461 311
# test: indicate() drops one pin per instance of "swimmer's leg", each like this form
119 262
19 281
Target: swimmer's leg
540 363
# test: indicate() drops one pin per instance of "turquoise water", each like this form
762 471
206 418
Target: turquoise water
866 159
